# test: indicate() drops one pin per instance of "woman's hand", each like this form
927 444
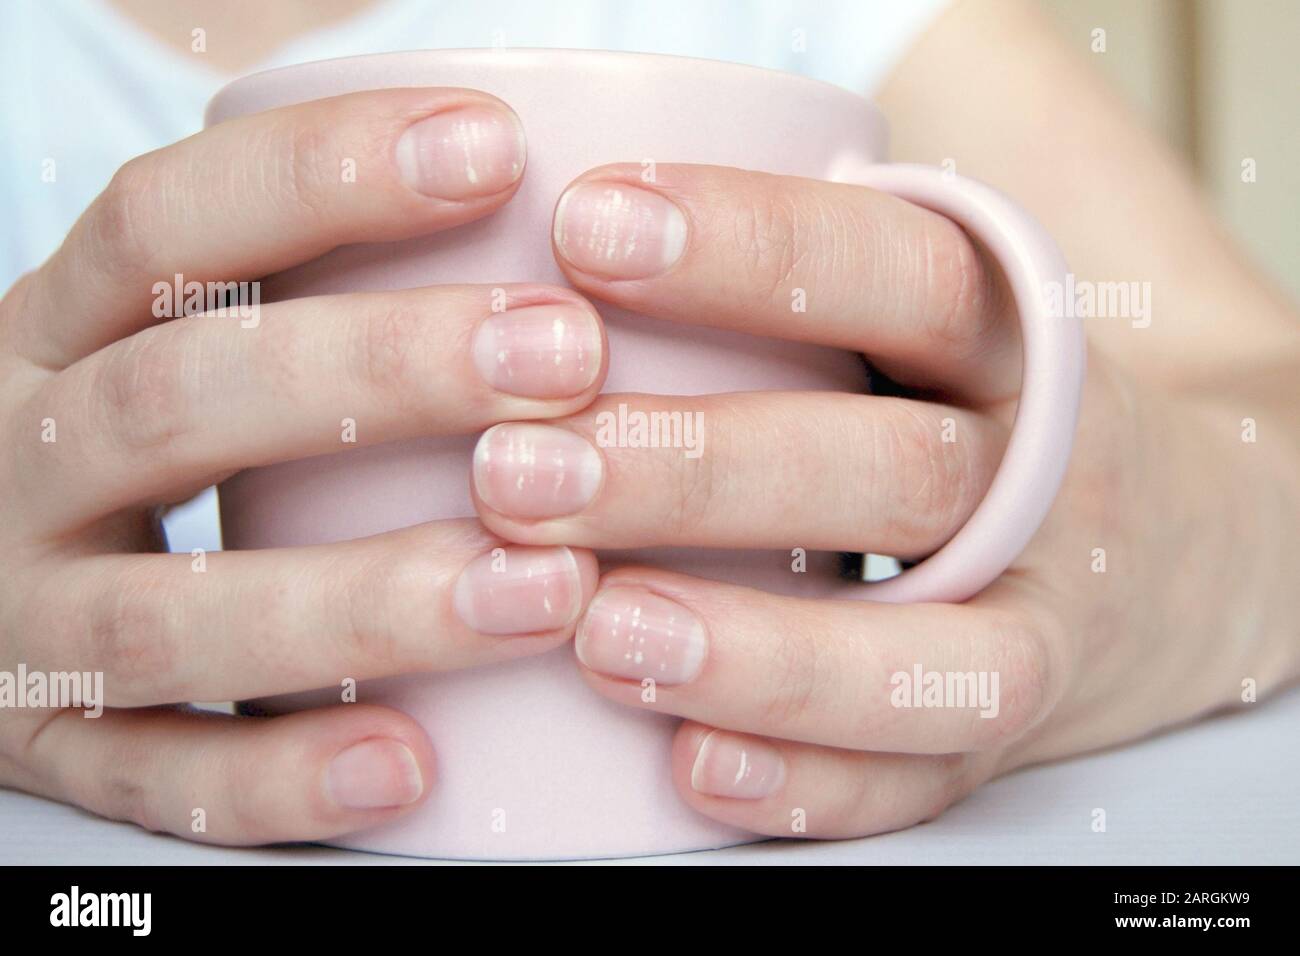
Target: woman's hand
1152 594
109 413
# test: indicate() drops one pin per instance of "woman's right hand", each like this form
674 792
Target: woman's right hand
107 413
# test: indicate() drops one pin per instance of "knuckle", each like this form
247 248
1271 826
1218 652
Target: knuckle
952 783
146 391
107 779
389 355
927 483
133 633
962 298
794 662
17 305
311 175
121 795
281 361
697 492
853 804
121 224
384 599
767 234
13 742
250 812
1023 665
692 494
21 742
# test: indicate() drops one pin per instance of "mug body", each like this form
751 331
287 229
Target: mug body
532 763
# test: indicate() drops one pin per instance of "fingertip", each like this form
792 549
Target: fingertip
588 576
686 746
520 591
688 749
470 150
373 762
375 773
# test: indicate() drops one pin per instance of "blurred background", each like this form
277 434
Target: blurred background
1220 81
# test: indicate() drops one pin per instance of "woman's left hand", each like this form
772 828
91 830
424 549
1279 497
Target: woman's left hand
1154 591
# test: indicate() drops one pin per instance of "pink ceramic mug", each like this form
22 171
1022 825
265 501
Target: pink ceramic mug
532 764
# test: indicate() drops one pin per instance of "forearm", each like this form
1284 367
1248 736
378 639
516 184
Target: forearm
992 87
1238 481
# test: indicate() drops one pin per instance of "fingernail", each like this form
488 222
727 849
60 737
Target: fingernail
519 591
535 471
617 231
629 632
743 768
375 773
463 153
542 351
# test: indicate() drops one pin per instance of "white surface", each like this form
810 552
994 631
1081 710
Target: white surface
1225 791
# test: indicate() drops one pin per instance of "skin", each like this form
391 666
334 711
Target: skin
1197 525
148 412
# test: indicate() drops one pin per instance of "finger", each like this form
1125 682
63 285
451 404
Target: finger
857 473
795 259
781 788
925 678
259 193
219 779
175 405
241 624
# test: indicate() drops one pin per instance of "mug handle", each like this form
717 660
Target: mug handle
1038 450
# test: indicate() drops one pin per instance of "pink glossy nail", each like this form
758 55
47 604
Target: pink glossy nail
374 773
617 231
463 153
541 351
632 633
519 591
535 471
732 765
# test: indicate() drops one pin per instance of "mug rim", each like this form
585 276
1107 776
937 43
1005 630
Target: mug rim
241 84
